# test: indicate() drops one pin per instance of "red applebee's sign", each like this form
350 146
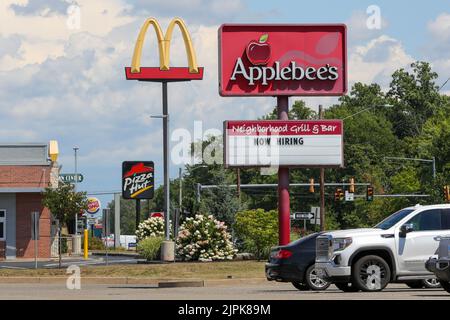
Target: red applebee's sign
273 60
310 143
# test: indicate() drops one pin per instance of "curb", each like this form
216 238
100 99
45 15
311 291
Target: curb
115 254
160 283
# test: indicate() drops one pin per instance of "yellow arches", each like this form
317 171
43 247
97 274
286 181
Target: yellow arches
164 45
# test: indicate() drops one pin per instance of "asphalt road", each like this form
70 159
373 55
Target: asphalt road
264 291
48 264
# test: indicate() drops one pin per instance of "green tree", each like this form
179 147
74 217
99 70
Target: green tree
415 97
258 229
64 203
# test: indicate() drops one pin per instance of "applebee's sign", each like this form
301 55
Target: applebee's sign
275 60
308 143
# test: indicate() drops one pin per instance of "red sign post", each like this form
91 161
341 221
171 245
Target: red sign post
282 61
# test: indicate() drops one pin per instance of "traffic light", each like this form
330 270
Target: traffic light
369 193
351 188
311 185
339 195
446 193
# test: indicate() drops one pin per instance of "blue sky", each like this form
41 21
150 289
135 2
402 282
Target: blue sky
68 84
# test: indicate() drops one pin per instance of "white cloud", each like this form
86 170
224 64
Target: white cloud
438 46
357 30
440 27
377 60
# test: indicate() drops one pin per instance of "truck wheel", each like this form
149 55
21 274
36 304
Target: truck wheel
300 286
371 273
446 286
315 282
346 287
431 283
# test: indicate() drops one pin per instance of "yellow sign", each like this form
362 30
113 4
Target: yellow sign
164 45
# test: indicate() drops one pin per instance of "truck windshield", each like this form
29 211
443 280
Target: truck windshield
393 219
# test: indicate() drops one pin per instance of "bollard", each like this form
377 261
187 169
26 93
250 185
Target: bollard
85 244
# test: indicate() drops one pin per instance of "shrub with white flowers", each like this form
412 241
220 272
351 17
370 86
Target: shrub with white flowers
152 227
204 238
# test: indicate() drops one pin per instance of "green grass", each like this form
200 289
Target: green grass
184 270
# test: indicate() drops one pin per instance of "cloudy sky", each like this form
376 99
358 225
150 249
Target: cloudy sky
66 82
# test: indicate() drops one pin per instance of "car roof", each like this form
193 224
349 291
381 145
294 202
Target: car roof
429 206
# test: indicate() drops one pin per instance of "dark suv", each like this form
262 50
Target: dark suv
295 263
440 266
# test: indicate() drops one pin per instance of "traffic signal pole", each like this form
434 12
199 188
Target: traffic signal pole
284 218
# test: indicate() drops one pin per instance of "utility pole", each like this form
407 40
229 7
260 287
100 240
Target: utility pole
180 194
75 149
322 185
238 182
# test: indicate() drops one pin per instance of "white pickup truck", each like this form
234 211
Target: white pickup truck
395 250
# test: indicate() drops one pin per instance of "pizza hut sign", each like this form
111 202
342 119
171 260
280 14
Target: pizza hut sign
137 179
272 60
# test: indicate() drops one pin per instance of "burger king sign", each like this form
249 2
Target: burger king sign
93 206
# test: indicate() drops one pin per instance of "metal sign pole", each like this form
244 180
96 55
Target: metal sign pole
106 230
166 161
35 234
283 183
75 187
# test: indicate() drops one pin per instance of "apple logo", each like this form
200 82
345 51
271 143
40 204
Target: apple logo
258 52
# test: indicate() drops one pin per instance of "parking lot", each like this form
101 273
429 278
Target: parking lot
262 291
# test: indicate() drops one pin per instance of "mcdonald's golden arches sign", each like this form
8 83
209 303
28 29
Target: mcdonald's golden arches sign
164 72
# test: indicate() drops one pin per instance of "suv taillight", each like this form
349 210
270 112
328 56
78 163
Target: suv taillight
283 254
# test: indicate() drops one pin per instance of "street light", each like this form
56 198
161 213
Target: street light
75 149
368 108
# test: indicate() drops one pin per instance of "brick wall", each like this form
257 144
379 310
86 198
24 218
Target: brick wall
25 204
2 250
24 176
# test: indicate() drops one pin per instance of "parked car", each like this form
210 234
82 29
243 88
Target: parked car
440 266
295 263
395 250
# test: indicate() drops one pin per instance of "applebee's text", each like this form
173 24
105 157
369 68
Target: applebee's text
291 72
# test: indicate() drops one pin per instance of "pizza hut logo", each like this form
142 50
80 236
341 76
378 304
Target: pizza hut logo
137 179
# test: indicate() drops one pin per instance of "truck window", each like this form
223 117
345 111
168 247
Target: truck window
393 219
446 219
427 220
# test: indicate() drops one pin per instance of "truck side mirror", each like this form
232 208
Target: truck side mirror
406 228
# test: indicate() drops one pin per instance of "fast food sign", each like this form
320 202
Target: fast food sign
137 179
293 143
274 60
94 205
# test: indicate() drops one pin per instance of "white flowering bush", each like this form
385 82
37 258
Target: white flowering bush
152 227
204 238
